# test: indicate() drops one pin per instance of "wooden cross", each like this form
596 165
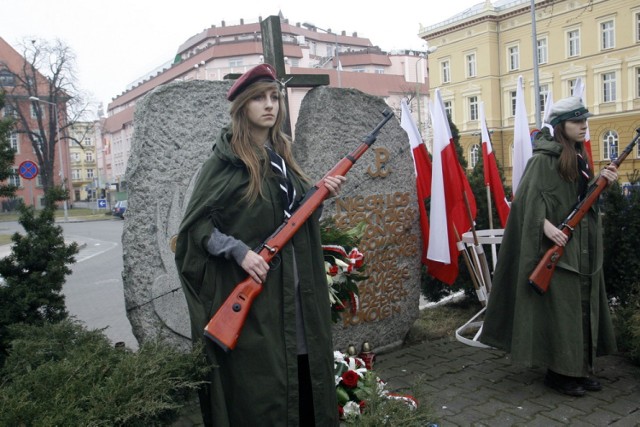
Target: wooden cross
273 52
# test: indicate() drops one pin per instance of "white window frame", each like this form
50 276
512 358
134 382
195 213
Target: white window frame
610 139
607 34
543 94
14 178
474 155
88 156
573 42
636 20
513 101
14 141
470 60
472 102
236 62
448 108
445 70
90 174
542 47
637 82
609 83
572 86
76 174
513 57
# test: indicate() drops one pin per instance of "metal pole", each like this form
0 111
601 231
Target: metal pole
62 183
536 77
336 54
418 95
338 66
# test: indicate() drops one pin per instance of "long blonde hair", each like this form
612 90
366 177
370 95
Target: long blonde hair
253 156
568 163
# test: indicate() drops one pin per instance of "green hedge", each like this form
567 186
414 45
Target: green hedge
62 374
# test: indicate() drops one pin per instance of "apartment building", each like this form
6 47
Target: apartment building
483 50
349 60
28 111
84 162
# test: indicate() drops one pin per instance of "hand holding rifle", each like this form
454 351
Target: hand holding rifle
540 278
255 265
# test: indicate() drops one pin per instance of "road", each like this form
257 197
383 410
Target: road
93 292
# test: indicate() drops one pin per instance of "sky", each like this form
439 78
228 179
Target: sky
118 41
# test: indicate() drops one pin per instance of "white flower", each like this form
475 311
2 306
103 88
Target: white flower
351 409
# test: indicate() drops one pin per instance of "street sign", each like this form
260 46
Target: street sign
28 169
102 203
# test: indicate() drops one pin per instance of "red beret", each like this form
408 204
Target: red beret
262 72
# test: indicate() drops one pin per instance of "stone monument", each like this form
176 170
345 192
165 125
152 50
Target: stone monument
175 127
380 190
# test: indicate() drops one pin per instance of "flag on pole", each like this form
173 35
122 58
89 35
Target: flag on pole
579 92
491 173
422 168
448 212
522 150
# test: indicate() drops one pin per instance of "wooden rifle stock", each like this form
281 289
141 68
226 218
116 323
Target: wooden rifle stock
540 278
225 326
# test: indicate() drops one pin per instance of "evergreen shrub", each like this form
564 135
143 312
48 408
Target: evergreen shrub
62 374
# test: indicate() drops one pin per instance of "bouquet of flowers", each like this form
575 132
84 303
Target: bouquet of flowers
355 385
344 266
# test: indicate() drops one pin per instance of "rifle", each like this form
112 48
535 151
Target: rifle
225 326
541 276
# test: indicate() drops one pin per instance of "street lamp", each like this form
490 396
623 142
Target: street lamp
423 55
55 108
337 55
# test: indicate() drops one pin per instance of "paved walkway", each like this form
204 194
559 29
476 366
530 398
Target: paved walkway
471 386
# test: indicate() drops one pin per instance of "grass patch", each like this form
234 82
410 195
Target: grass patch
442 321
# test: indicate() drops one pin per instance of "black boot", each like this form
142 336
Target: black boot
590 384
566 385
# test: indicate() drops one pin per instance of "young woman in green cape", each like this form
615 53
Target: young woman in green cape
281 371
564 329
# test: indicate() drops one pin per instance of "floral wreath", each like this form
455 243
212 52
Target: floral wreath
355 384
344 266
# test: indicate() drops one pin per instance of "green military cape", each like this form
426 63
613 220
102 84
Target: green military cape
547 330
257 382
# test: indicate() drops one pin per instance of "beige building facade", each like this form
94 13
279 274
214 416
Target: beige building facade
83 162
482 52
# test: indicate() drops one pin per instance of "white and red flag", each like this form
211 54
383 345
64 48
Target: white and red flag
422 167
579 92
522 150
448 213
491 173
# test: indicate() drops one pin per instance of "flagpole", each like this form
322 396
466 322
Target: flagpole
473 271
488 187
479 251
536 77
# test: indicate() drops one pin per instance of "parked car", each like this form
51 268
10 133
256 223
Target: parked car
119 209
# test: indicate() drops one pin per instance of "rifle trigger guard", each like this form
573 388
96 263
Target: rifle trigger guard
275 262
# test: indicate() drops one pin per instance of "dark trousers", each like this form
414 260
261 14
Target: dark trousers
306 394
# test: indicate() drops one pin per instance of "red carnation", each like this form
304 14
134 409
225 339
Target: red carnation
350 379
333 270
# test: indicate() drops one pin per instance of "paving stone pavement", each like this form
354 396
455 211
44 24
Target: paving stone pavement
473 386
